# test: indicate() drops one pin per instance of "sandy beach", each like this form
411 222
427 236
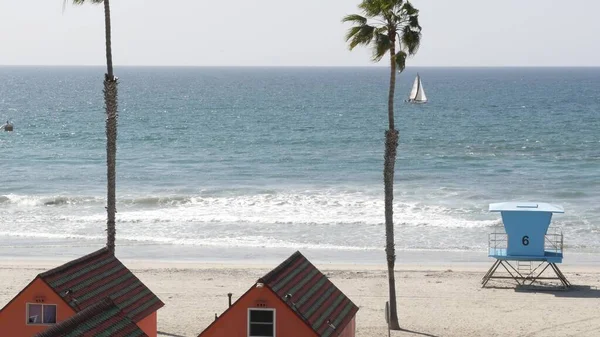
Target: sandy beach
433 300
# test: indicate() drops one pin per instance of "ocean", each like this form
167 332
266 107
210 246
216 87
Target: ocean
252 163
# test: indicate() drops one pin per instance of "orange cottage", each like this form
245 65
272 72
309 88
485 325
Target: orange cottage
60 293
293 300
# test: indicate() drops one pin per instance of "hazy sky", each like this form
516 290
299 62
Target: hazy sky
295 33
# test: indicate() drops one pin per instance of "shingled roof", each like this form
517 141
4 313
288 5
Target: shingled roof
88 280
311 295
101 319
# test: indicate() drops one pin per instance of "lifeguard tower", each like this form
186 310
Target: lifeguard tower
525 248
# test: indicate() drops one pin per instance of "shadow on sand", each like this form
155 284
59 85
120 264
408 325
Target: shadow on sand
160 333
575 291
417 333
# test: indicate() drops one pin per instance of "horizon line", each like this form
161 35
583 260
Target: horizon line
295 66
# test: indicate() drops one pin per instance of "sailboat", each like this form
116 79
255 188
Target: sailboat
417 94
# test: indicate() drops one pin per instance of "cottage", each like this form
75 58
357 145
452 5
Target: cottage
58 294
293 300
101 319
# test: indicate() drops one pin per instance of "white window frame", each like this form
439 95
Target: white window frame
27 304
262 309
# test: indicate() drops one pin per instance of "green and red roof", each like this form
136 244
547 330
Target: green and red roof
103 319
89 280
309 293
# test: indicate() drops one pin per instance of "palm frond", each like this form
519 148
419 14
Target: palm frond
363 36
374 8
371 8
400 59
352 32
411 39
381 30
81 2
355 18
382 46
397 5
413 21
389 20
386 6
409 9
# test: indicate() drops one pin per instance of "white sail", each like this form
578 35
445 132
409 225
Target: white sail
415 89
421 97
417 94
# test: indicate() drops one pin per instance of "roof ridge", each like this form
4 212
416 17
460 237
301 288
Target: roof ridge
295 273
72 263
97 282
87 313
281 266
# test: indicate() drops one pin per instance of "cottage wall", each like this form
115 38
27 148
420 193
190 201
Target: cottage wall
149 325
350 329
234 322
13 318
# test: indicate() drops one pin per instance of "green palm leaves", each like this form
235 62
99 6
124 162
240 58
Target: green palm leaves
382 25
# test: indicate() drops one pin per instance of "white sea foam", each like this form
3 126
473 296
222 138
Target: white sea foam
36 200
325 219
306 207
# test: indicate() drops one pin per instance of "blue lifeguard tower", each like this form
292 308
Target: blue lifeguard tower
526 242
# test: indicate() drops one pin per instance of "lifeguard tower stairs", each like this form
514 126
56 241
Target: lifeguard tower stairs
525 249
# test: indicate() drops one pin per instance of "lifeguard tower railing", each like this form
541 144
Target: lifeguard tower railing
553 243
525 239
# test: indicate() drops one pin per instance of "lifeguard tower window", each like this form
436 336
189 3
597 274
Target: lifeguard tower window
525 241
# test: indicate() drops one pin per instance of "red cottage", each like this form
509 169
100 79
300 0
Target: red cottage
293 300
101 319
58 294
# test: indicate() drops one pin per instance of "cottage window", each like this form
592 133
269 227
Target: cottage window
41 313
261 322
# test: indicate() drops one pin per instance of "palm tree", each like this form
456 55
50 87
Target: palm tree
388 26
110 102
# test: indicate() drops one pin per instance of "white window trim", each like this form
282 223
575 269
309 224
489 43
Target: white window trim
262 309
42 318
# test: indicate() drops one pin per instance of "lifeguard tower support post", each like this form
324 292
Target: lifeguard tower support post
526 242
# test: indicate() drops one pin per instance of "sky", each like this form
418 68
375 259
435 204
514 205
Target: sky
295 33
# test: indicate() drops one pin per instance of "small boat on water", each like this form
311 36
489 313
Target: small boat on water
7 127
417 94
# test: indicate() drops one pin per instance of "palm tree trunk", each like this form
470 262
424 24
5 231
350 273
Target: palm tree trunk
110 98
391 145
107 31
110 101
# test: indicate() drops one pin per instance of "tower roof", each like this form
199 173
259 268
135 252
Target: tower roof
525 207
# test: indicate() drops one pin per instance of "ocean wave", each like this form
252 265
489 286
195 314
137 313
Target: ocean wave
569 195
157 201
238 242
45 235
36 200
59 200
249 242
297 211
307 207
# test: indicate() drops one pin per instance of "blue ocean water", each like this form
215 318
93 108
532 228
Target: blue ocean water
247 159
